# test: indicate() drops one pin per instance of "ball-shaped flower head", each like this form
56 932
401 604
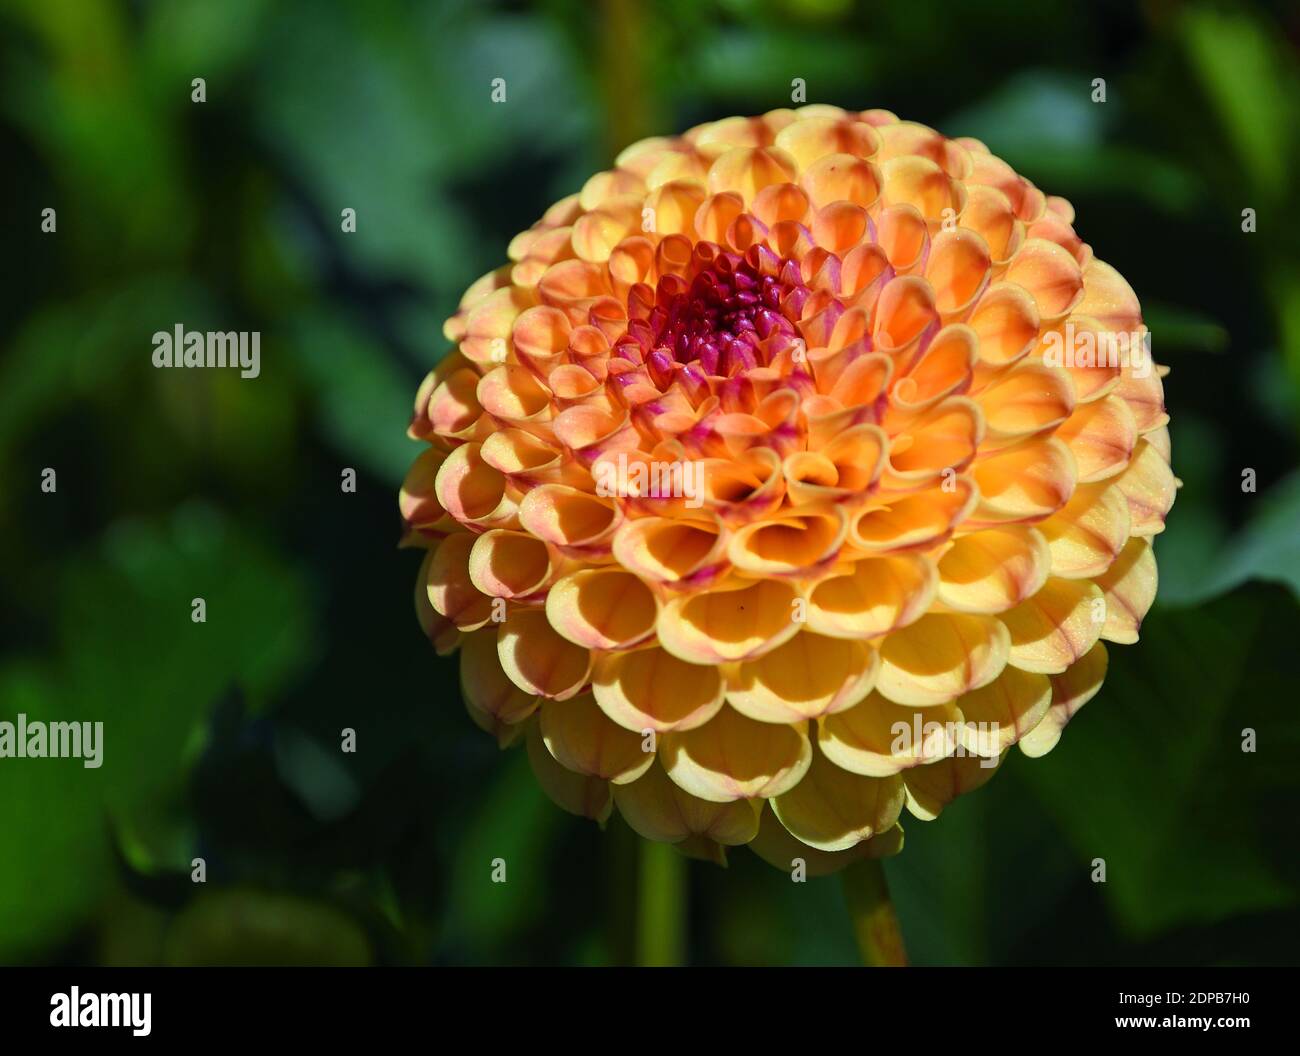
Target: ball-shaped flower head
791 472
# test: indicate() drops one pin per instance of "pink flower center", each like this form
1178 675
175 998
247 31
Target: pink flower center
720 320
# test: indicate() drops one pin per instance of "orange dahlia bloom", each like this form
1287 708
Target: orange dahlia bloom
790 473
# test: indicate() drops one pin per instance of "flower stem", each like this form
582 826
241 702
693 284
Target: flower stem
875 924
661 903
628 94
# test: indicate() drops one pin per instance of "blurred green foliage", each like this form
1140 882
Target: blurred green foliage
222 738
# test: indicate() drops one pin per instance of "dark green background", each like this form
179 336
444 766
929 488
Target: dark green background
222 739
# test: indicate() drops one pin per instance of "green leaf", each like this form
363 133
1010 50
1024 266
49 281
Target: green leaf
760 63
1045 125
1249 85
1183 329
129 656
1267 549
70 349
1151 776
514 822
364 398
256 928
1034 112
359 131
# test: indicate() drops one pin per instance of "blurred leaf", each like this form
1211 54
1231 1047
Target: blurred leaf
1271 390
131 932
255 928
315 774
1267 549
89 109
761 62
1196 531
1035 112
359 132
130 657
158 834
71 348
52 844
1237 60
365 400
1131 172
120 612
1183 329
1253 86
1285 289
184 39
970 886
1045 124
515 822
944 923
1151 775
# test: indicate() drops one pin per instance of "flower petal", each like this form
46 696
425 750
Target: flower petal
778 848
489 694
1071 690
602 608
993 570
808 676
1006 322
578 523
472 491
877 737
1149 486
660 810
797 542
734 620
1130 587
1088 533
451 590
1027 399
672 552
940 657
583 739
998 715
1051 276
734 757
872 596
418 500
1025 483
650 689
833 810
1055 627
506 564
915 521
958 269
580 794
932 787
1101 436
537 659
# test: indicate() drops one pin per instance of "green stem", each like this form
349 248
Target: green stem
661 902
623 59
875 924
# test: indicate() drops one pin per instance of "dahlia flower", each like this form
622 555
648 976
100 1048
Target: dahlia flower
886 486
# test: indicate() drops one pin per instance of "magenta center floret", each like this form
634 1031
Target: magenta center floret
720 321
